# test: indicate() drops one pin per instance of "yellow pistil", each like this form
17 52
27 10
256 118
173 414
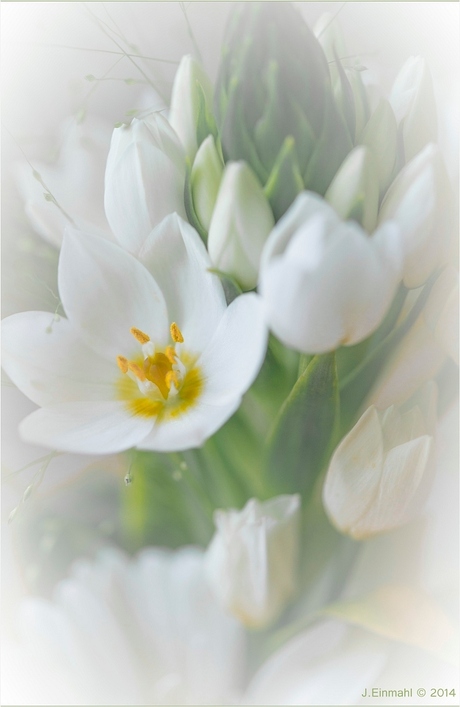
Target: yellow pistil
170 353
122 364
176 334
139 335
172 377
137 370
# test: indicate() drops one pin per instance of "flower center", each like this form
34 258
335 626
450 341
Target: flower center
161 383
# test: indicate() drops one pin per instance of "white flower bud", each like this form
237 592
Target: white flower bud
144 179
412 99
419 202
380 135
354 191
380 472
205 178
240 225
191 86
252 559
326 283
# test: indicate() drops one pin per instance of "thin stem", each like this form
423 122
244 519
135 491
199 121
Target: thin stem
173 62
190 32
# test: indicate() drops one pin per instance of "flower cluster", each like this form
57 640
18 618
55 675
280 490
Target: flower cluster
258 304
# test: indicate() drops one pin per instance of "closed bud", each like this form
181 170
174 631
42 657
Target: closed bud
412 99
252 560
380 135
419 201
240 224
326 283
354 191
144 179
191 105
206 175
380 472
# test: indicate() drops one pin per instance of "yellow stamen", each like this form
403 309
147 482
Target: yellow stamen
172 377
176 334
139 335
137 370
170 353
122 364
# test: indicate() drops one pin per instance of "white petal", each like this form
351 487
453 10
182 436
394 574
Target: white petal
177 258
105 291
191 429
233 358
144 187
85 427
49 363
354 472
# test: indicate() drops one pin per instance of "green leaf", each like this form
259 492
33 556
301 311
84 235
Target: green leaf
304 433
285 180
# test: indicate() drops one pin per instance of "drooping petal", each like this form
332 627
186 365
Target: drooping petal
49 362
234 356
179 263
191 429
85 427
117 293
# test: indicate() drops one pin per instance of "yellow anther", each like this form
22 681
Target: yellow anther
137 370
139 335
122 364
170 353
172 377
176 334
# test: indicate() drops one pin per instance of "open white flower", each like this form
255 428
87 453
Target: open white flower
75 180
326 283
380 470
144 179
252 559
151 358
128 631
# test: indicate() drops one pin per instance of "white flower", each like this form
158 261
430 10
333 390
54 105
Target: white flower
252 559
329 664
380 470
380 134
129 631
419 202
412 99
153 359
144 179
326 283
75 180
191 95
240 225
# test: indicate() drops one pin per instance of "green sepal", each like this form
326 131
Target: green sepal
285 180
206 125
331 149
304 433
188 202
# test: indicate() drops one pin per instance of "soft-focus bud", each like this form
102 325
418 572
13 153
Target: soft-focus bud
275 105
251 562
205 178
75 181
380 134
326 283
419 201
380 472
144 179
240 224
354 191
413 102
191 105
441 311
